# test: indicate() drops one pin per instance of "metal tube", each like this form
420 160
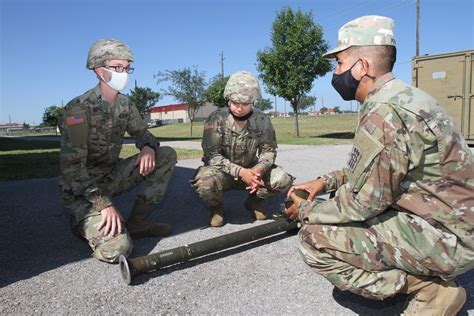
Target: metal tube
131 267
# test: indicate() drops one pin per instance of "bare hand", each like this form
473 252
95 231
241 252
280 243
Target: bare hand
292 211
253 179
146 160
112 222
312 187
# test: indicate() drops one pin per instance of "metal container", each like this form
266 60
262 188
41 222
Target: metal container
449 79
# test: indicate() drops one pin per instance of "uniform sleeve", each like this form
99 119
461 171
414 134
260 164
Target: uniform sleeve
369 194
73 159
137 129
267 148
212 147
333 180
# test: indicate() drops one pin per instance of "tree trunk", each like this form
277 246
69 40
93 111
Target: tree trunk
297 127
191 129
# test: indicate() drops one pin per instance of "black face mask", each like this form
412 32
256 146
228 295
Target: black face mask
345 84
241 118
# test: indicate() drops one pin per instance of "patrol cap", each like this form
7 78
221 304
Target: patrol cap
242 87
364 31
107 49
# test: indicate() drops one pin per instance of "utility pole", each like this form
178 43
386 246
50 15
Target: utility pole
222 65
276 111
135 83
417 27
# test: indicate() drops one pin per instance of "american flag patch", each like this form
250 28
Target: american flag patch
208 125
74 119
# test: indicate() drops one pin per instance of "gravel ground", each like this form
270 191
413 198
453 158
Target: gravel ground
44 269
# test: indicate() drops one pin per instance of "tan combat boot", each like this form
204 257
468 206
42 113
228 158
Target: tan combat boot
139 226
433 296
255 206
217 216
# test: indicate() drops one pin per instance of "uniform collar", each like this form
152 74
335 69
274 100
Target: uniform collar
380 82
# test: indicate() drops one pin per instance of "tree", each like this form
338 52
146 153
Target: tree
337 109
52 114
263 105
26 126
305 102
144 99
187 86
323 110
215 92
294 61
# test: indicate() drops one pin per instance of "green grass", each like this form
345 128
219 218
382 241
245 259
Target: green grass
319 130
23 159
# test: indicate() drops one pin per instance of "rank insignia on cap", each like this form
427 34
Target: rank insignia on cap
74 119
354 158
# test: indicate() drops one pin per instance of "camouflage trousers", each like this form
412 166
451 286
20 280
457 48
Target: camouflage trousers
211 183
372 258
124 177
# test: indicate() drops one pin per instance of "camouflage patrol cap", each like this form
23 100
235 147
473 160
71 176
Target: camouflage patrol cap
242 87
364 31
107 49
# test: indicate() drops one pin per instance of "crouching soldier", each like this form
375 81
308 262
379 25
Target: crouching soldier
93 131
239 152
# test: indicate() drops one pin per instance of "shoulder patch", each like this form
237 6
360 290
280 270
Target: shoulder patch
75 119
208 125
354 158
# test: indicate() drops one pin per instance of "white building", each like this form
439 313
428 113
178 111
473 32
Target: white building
177 113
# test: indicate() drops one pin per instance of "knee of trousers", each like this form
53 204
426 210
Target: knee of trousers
166 154
110 250
312 256
280 181
208 187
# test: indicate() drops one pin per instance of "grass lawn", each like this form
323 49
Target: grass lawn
314 130
25 159
22 159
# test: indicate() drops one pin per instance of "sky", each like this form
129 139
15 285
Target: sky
44 43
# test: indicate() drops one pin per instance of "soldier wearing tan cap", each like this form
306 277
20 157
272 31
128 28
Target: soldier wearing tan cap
401 219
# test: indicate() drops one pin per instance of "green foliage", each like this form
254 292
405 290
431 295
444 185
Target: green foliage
289 68
323 110
263 105
26 126
187 86
337 109
52 115
305 102
144 99
215 92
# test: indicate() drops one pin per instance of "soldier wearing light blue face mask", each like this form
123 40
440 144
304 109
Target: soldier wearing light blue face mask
92 173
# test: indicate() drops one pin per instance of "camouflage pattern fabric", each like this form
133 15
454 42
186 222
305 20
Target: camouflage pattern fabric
364 31
404 203
107 49
242 87
91 171
228 148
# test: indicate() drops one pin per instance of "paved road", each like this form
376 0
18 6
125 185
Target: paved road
44 269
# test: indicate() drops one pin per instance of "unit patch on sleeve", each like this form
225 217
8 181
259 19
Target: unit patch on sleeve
354 158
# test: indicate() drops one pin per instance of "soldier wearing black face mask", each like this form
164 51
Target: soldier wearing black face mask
401 219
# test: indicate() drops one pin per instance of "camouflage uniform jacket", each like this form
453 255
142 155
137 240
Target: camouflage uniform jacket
228 148
92 135
406 155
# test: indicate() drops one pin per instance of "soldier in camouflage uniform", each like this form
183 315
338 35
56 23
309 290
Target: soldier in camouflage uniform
239 152
93 131
402 218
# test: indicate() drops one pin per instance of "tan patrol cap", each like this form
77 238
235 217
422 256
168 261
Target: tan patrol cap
364 31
